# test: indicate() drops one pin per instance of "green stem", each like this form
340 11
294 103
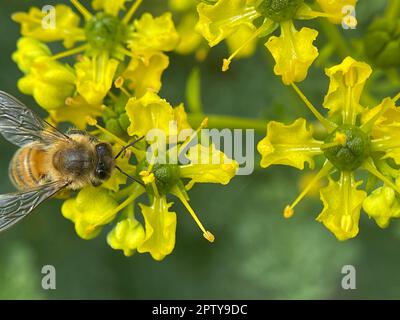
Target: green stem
230 122
392 10
335 36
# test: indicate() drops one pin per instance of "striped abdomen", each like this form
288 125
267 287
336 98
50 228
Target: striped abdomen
27 167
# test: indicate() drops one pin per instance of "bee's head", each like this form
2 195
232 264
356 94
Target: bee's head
105 161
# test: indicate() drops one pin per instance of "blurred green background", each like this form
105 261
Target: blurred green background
257 254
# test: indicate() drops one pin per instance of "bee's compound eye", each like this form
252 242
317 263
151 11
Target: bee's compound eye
101 174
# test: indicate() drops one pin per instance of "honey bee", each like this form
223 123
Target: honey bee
48 160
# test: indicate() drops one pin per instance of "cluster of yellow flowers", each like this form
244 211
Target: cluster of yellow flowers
357 137
293 50
115 75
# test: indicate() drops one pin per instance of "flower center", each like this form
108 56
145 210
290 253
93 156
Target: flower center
105 32
353 152
278 10
166 176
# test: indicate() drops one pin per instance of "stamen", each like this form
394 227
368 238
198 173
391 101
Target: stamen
227 62
119 84
370 167
84 12
131 11
330 126
207 234
326 170
396 98
203 125
70 52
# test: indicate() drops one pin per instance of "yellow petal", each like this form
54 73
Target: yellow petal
95 77
154 34
190 39
160 225
144 72
208 165
181 5
335 8
50 82
218 21
149 112
293 52
66 25
342 206
86 214
111 7
290 145
236 40
76 110
347 82
127 235
28 50
382 205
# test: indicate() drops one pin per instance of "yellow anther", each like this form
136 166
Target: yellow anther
147 176
340 138
288 212
225 65
91 121
119 82
209 236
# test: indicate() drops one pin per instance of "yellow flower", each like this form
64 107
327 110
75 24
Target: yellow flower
50 83
151 112
220 20
127 235
357 138
162 176
65 28
154 34
105 41
145 72
95 77
28 51
293 50
76 110
89 216
382 205
160 226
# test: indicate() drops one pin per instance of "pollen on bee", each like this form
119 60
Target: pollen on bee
91 121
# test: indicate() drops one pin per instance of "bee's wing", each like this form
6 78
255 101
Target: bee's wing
16 206
20 125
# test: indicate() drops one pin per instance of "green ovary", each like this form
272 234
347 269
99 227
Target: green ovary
279 10
105 32
353 153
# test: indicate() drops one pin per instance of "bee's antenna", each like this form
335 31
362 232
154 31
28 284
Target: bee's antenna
130 177
127 146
